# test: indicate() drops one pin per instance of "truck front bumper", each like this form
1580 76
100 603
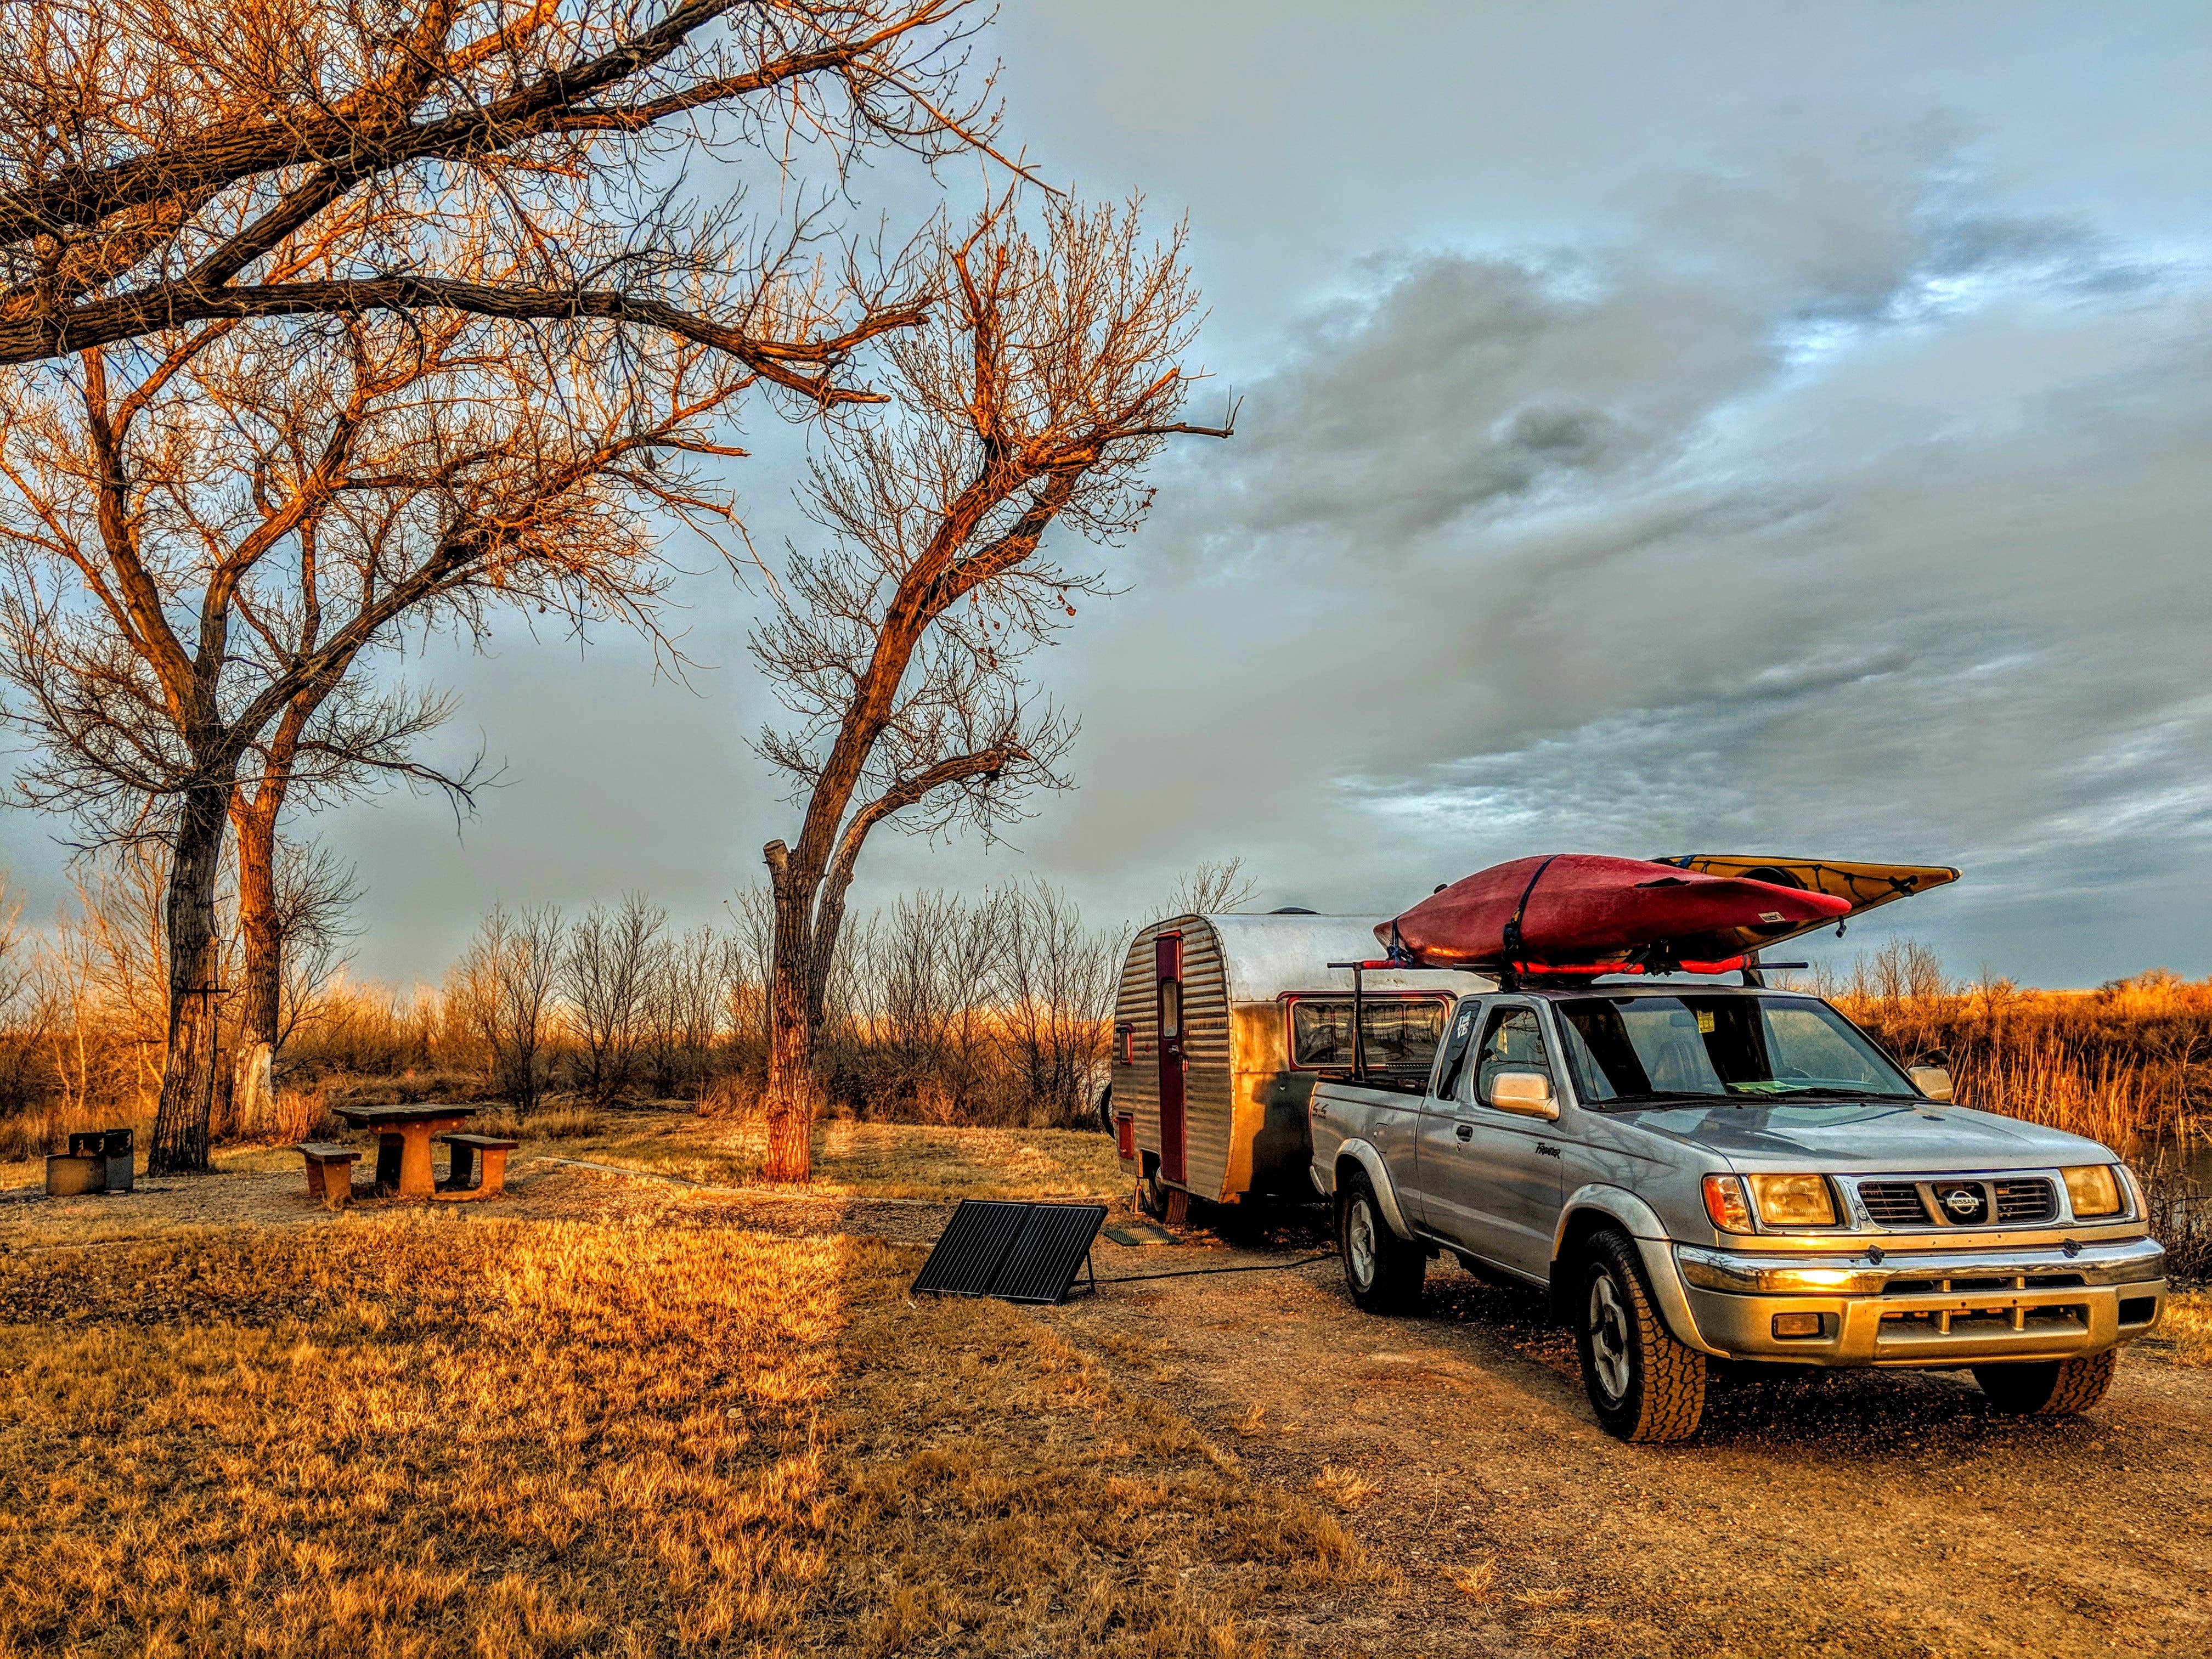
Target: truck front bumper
1946 1308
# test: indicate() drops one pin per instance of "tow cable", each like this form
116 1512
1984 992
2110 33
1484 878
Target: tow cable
1193 1273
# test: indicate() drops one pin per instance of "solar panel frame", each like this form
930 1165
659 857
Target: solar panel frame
1011 1250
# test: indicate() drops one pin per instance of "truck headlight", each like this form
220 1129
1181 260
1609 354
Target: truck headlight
1794 1200
2092 1189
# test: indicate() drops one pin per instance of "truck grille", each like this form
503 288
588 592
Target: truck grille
2014 1201
1892 1203
2029 1200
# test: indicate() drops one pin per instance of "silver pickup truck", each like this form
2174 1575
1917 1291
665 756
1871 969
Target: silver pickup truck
1703 1173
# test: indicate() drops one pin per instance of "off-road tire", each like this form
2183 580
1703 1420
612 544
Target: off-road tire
1383 1272
2049 1387
1152 1193
1660 1383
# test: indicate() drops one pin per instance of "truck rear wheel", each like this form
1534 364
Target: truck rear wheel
1644 1385
1383 1271
2049 1387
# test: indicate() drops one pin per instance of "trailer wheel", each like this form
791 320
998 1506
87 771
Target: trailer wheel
1383 1271
1644 1385
2049 1387
1106 1108
1152 1192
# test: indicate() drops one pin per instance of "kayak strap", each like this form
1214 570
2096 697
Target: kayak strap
1514 947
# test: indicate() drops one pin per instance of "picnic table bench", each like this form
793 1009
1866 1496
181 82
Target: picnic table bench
476 1165
329 1172
403 1141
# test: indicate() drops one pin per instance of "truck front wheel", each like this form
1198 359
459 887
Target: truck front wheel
1383 1271
2050 1388
1644 1384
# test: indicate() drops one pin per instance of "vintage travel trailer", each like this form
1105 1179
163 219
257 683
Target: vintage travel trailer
1220 1027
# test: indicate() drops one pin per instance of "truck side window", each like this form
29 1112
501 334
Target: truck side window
1455 1047
1513 1042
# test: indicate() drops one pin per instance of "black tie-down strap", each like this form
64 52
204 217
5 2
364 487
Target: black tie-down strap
1515 950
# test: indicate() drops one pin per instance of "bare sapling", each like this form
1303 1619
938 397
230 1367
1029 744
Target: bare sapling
1044 383
607 977
501 995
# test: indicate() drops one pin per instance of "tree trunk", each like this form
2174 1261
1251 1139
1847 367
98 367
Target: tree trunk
188 1071
263 971
793 1093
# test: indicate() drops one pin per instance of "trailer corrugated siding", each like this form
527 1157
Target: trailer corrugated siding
1208 1108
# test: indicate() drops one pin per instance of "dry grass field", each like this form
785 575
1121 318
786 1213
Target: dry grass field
425 1432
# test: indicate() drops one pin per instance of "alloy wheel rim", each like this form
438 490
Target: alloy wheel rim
1608 1337
1362 1242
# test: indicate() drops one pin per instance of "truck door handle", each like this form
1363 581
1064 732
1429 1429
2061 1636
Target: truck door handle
1465 1132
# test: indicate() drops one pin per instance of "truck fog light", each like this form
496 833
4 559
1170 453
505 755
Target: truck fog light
2092 1188
1797 1324
1725 1204
1794 1200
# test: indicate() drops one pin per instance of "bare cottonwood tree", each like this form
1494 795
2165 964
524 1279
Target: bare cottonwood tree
254 260
607 975
502 992
1034 396
156 156
196 559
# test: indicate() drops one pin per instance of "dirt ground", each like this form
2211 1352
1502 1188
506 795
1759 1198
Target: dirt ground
1842 1513
1839 1514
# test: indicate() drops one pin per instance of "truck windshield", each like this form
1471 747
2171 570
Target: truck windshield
1400 1034
1630 1049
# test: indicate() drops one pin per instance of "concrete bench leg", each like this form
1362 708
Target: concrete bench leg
495 1173
331 1184
461 1167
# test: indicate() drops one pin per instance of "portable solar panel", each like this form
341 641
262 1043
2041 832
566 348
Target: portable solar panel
1015 1252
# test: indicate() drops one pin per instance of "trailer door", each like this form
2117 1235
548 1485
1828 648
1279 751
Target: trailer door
1167 959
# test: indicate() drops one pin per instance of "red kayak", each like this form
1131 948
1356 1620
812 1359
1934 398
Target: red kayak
1583 909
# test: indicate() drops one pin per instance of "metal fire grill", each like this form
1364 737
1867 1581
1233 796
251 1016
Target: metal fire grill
1015 1252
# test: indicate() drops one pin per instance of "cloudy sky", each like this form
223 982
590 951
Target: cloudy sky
1705 428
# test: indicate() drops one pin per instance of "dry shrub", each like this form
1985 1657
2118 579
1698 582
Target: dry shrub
2129 1064
2184 1335
1477 1581
572 1121
1345 1488
568 1121
410 1433
737 1095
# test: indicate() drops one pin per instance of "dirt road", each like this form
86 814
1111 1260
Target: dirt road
1842 1513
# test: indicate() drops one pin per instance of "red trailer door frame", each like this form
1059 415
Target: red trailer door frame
1167 956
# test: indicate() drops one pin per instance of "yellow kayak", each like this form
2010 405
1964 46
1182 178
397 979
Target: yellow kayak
1867 886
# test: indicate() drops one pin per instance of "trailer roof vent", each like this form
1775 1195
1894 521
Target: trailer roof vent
1293 910
1015 1252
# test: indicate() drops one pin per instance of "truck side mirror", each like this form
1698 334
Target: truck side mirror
1934 1081
1528 1093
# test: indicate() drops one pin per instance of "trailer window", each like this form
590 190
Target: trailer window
1399 1033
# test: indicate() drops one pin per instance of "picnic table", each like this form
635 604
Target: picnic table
403 1141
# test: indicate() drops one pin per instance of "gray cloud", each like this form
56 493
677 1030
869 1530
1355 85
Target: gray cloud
1583 549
